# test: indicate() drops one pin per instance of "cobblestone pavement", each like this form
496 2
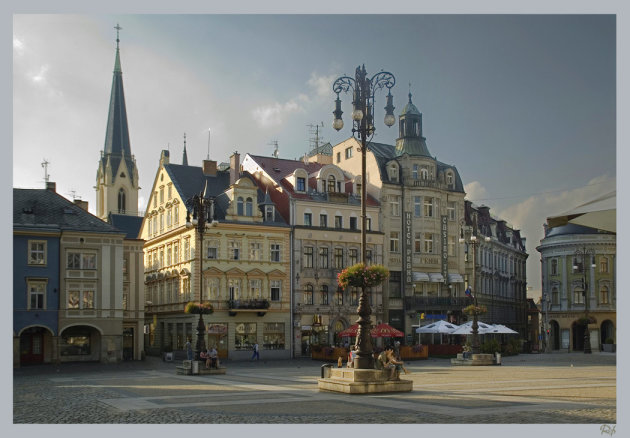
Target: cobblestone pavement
527 389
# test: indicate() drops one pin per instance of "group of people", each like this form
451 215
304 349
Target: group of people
210 355
388 360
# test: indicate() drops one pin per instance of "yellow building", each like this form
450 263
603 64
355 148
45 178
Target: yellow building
245 268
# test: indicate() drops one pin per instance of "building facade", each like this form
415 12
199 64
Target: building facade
322 204
574 286
245 267
67 299
501 274
422 209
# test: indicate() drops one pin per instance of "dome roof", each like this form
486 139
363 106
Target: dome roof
573 229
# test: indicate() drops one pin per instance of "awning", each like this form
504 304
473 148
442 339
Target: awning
436 277
455 278
420 276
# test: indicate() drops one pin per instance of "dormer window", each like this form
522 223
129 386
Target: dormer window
249 207
269 213
449 179
393 173
300 184
331 183
239 206
424 173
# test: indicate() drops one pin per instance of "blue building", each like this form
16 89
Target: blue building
35 282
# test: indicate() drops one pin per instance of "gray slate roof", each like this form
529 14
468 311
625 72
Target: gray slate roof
41 209
128 224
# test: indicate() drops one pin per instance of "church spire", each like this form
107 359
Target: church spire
117 177
185 157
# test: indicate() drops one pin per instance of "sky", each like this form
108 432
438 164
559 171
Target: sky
523 105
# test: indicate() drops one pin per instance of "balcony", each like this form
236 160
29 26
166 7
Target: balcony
436 302
255 305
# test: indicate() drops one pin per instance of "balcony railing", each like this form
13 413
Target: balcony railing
248 304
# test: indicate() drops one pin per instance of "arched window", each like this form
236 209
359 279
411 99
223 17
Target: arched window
248 207
603 265
424 173
121 201
331 183
308 294
603 295
578 295
554 266
239 206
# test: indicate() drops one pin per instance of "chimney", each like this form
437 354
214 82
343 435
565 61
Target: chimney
164 157
52 186
209 167
82 204
235 167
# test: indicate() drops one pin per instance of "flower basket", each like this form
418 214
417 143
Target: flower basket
475 310
362 276
199 309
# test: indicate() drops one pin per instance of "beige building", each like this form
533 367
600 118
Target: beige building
568 297
422 202
323 206
245 263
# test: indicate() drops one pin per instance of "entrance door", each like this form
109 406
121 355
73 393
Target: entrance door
578 337
128 343
32 346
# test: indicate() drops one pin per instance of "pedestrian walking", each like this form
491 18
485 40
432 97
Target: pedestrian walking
256 354
189 350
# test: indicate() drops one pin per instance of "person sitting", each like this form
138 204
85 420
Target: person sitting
352 354
392 361
213 357
382 363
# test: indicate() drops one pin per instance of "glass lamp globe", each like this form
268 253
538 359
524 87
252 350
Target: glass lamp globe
337 124
390 120
357 115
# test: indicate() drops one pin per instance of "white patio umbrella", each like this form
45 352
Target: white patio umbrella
438 327
500 329
600 213
466 328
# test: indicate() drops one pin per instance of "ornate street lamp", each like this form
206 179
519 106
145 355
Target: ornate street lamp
202 207
582 254
363 90
473 241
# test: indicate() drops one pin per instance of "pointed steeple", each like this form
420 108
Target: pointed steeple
117 176
185 157
117 132
410 140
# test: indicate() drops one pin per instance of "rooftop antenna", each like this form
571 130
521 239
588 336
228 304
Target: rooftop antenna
45 166
314 140
276 152
74 195
208 158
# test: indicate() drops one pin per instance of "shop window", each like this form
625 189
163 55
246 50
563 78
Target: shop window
273 336
245 336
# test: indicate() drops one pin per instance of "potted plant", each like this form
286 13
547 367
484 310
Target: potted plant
609 345
199 309
362 276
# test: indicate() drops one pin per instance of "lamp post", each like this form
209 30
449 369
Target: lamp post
473 241
546 304
582 253
363 90
202 208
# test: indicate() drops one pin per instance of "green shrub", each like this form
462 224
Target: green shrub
490 347
609 341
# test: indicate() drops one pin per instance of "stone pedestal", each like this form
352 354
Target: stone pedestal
476 360
361 381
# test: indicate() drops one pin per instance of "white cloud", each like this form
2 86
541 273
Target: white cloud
475 191
321 84
18 46
274 114
40 77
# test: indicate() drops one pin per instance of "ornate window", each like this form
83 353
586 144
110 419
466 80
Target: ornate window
578 295
255 250
338 221
338 258
308 294
323 220
275 252
428 243
353 256
331 183
308 219
301 184
554 266
213 249
395 205
428 206
234 248
80 260
276 287
81 296
603 265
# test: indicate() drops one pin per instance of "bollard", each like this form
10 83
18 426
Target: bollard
498 358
